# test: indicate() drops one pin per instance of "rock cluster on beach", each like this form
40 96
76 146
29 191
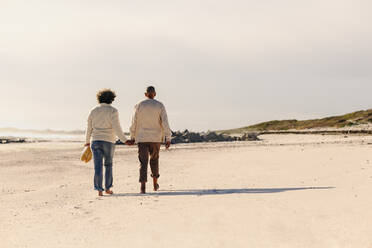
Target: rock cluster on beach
177 138
11 140
195 137
186 136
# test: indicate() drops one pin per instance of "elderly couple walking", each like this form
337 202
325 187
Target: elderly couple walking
148 130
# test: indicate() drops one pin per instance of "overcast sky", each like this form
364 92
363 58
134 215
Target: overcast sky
216 64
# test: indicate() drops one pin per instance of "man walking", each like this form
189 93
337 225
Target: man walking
149 128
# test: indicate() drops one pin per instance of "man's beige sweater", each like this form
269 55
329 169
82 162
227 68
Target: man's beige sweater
150 122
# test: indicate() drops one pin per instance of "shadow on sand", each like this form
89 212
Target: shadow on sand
201 192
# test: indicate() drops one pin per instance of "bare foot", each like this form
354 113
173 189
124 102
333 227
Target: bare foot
109 192
143 188
100 193
156 185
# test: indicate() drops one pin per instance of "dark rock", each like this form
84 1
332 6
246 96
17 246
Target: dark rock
12 140
250 137
194 137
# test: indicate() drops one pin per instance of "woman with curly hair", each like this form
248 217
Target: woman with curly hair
102 128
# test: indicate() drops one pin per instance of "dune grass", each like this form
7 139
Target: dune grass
351 119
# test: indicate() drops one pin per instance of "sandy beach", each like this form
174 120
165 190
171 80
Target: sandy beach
284 191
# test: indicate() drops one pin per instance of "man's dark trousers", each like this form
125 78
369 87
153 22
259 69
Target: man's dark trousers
146 150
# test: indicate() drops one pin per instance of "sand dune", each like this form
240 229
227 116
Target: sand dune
284 191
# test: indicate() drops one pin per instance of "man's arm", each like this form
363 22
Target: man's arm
88 132
133 127
166 128
117 127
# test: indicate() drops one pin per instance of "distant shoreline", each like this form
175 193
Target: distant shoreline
35 131
229 138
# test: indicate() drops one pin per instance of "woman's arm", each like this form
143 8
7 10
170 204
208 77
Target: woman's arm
88 132
117 127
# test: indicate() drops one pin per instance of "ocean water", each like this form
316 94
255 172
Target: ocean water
44 137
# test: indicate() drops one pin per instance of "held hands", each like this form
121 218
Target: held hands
167 144
129 142
87 144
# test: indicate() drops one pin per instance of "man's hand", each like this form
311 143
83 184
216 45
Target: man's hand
167 144
129 142
87 144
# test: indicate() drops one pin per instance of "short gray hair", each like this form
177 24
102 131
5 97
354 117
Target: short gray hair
150 89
